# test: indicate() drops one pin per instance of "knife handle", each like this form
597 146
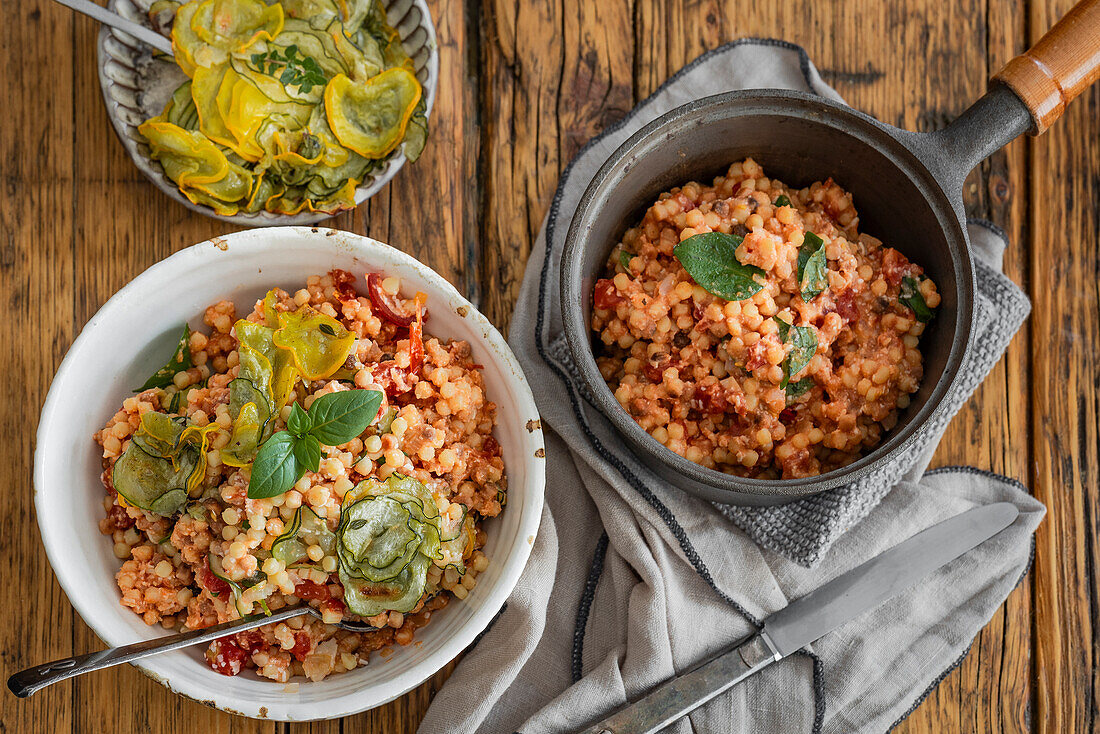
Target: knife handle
683 694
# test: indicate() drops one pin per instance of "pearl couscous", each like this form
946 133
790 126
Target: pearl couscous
805 359
219 543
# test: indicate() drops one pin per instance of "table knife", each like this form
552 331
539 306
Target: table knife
811 617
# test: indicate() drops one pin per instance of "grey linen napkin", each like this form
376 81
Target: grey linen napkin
631 581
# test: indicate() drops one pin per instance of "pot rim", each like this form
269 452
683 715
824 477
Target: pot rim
888 141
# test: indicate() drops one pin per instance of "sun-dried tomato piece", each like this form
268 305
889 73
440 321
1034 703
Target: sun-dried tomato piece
226 657
386 305
310 590
605 296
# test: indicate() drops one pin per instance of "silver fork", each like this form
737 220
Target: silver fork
28 681
140 32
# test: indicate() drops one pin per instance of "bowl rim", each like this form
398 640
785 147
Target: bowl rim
717 485
156 175
247 243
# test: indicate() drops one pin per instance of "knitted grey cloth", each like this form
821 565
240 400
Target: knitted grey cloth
631 581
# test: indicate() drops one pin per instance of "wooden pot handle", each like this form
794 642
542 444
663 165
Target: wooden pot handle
1064 63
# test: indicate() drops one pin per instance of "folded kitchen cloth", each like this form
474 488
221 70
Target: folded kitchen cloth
631 581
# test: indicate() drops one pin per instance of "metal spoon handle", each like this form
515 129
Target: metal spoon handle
28 681
115 20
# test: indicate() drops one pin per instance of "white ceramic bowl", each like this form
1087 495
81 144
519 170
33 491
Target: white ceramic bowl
126 341
136 86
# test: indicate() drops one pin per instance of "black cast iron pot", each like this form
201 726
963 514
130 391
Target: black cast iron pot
908 190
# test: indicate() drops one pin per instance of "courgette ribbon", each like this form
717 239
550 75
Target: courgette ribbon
164 464
237 588
304 530
245 134
389 535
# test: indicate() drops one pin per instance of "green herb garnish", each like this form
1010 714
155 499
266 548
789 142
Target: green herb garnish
181 360
710 258
326 329
782 200
333 419
297 71
799 387
812 267
803 340
912 297
624 259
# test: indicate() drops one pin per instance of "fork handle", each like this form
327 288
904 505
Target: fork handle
140 32
28 681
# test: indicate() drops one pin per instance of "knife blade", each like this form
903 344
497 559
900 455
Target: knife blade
811 617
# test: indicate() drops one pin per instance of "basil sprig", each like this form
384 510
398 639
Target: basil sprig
812 267
803 341
181 360
333 419
912 297
711 260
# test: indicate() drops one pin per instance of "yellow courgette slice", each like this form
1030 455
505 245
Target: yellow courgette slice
204 91
184 40
317 12
371 118
320 344
194 158
234 25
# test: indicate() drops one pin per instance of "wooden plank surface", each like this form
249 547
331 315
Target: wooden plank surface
523 86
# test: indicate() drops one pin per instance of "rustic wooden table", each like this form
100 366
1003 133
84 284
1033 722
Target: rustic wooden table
523 86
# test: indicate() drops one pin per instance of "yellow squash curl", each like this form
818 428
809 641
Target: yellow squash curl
371 118
320 344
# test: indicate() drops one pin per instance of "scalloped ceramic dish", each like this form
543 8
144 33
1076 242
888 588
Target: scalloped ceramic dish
136 86
121 345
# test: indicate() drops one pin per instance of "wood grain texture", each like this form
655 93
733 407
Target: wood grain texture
523 85
1065 328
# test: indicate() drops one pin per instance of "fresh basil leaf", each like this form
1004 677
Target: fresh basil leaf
803 340
912 297
784 328
812 267
326 329
181 360
275 469
307 452
800 387
710 258
624 259
299 421
782 200
341 416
